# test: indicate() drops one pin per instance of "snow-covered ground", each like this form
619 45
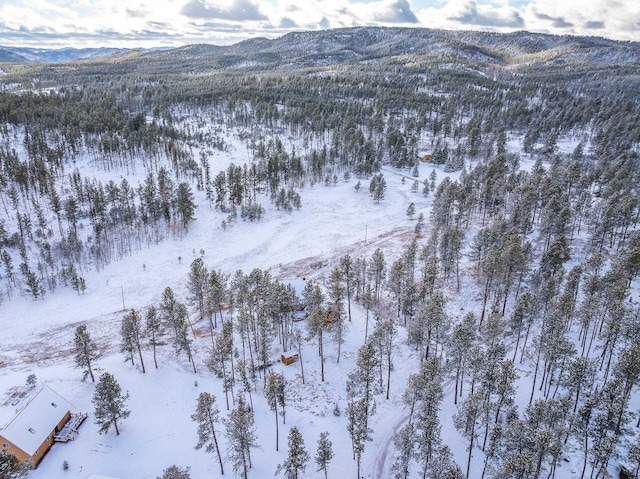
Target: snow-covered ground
334 221
37 338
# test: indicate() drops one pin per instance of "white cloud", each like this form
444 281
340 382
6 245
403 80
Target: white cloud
618 19
468 14
394 12
233 10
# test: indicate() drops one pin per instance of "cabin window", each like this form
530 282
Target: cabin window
31 430
54 404
5 445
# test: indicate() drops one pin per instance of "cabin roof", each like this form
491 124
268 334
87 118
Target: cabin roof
36 420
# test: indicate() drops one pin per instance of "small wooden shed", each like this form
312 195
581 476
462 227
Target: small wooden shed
287 361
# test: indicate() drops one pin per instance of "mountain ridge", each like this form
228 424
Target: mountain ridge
354 44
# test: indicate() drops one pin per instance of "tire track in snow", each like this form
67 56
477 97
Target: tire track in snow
381 462
387 445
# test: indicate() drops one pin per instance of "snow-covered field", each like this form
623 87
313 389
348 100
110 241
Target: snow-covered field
334 221
37 337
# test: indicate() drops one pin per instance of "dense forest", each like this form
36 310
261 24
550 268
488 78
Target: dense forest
552 250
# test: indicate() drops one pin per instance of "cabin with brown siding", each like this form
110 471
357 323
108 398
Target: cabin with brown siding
31 433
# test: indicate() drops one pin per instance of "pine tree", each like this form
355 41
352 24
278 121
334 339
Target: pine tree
384 335
378 187
197 285
220 358
110 404
11 467
442 466
324 453
466 421
33 285
185 205
174 316
348 274
425 187
362 380
633 454
182 341
432 179
154 330
316 326
404 441
86 351
336 291
297 340
361 387
298 457
275 395
427 424
357 426
207 416
174 472
241 435
132 335
463 335
217 292
411 210
419 225
377 272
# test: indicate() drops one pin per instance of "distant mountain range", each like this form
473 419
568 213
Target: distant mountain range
362 45
60 55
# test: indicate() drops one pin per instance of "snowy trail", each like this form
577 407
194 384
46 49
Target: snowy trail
381 468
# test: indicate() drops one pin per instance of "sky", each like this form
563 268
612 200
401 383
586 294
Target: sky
157 23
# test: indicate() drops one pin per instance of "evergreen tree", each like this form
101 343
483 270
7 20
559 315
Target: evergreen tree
316 325
384 336
174 472
633 455
132 334
361 387
86 351
336 292
411 210
184 203
182 341
377 272
378 187
207 416
466 421
419 225
33 286
349 275
241 436
442 466
11 467
154 330
217 293
357 426
275 394
197 284
220 357
110 404
297 459
175 318
324 453
404 441
463 335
